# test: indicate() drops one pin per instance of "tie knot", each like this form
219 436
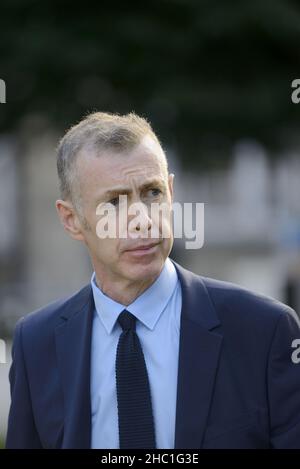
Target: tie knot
127 320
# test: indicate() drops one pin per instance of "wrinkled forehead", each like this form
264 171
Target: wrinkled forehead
107 167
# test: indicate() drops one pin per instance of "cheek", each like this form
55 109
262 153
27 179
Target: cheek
163 221
103 248
108 248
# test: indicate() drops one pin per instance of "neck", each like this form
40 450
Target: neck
123 291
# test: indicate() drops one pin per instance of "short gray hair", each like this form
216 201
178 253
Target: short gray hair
100 131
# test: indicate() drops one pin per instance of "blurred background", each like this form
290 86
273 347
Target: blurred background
214 78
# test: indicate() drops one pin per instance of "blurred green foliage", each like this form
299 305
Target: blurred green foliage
206 73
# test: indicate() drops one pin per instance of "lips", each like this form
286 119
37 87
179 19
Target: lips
142 247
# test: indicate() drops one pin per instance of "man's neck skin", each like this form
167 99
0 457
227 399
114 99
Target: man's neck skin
124 291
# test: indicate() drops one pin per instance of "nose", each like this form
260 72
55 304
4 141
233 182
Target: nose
140 222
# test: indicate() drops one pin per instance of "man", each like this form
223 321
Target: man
149 355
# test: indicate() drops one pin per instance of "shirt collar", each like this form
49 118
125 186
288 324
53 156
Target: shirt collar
147 307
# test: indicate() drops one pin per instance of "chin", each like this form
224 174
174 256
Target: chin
144 268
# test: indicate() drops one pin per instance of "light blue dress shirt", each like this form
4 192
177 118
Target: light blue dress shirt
158 311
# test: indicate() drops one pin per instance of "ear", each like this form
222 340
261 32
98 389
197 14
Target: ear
170 182
69 219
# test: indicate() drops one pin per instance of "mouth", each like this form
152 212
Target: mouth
143 249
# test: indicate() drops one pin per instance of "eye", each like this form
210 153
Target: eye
155 192
114 201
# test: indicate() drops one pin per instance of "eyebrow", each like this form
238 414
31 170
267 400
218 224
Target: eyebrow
126 190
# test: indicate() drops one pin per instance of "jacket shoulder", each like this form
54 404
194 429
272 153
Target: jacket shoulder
53 313
231 302
236 301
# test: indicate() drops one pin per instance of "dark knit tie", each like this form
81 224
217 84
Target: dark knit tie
136 425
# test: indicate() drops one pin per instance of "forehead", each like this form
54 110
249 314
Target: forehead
109 168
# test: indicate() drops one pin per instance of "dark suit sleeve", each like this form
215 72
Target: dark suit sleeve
21 431
284 383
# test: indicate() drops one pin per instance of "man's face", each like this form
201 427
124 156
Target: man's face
141 176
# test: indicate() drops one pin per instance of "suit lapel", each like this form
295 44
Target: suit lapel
199 351
73 346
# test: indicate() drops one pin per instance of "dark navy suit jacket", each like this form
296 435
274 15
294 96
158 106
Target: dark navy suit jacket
237 384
